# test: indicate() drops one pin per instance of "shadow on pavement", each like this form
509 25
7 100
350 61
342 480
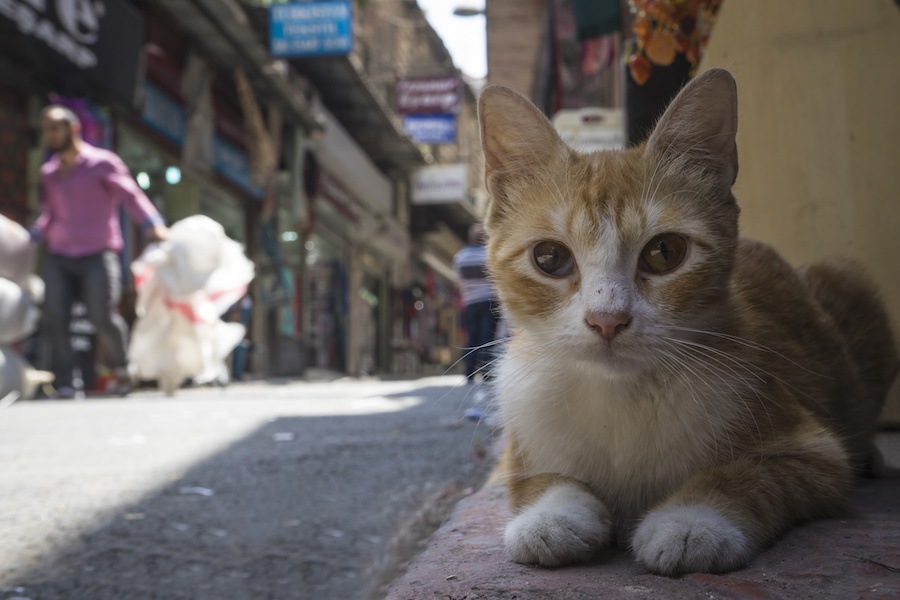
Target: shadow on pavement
303 507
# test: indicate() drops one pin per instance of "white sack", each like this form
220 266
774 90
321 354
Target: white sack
198 250
183 287
19 315
17 253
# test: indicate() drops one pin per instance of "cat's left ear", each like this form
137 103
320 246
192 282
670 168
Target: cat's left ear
698 129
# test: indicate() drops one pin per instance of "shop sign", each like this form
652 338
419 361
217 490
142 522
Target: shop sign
232 163
591 129
440 184
430 129
317 28
100 40
428 95
163 113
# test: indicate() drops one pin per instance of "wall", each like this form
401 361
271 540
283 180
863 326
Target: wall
515 34
819 129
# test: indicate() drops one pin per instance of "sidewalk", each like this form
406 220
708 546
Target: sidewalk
854 557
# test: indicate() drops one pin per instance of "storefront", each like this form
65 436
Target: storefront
49 50
326 310
14 142
174 119
435 320
353 250
178 192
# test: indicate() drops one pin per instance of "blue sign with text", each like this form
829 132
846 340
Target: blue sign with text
316 28
430 129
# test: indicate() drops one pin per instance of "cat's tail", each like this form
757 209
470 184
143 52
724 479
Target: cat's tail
849 297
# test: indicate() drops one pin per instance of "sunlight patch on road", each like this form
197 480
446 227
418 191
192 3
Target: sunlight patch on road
380 404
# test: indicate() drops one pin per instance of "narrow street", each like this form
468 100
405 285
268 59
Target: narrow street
293 490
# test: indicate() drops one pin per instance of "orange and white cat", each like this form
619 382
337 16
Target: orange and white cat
667 385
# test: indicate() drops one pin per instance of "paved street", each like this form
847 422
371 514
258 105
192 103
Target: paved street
292 490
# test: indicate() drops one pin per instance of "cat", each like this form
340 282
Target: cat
668 386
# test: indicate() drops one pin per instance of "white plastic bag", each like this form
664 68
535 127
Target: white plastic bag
17 253
183 287
199 256
19 315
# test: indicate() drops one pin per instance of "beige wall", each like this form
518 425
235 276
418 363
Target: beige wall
515 33
819 128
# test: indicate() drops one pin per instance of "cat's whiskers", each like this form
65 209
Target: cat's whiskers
472 350
462 383
540 352
749 344
737 361
677 366
763 348
672 366
687 347
533 364
744 365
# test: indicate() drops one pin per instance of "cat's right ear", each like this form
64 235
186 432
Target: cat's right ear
515 136
697 131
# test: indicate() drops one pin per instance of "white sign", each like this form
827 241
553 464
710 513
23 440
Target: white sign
591 129
440 184
77 26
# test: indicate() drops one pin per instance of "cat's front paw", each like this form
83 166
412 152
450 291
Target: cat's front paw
566 525
685 539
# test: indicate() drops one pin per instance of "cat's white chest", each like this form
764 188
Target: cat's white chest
633 442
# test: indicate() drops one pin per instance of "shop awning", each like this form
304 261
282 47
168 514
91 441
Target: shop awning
229 41
350 95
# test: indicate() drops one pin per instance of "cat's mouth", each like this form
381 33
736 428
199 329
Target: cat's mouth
615 356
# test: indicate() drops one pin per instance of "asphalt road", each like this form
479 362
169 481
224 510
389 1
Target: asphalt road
291 491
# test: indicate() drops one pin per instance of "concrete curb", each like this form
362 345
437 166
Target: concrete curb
854 557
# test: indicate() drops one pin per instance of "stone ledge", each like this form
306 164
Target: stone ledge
854 557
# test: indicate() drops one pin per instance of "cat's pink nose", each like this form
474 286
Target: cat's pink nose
606 324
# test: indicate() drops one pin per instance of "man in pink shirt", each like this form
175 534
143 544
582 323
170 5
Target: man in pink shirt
82 190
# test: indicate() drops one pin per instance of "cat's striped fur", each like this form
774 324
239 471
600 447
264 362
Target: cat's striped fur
692 414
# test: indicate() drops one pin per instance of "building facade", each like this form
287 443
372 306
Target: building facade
352 275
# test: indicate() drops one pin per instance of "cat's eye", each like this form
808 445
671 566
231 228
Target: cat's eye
664 253
554 259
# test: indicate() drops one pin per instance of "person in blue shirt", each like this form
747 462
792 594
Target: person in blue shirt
481 310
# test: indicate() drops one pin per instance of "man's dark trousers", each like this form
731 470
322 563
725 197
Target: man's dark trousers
96 280
481 325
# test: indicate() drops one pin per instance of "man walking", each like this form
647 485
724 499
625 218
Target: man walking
82 190
480 307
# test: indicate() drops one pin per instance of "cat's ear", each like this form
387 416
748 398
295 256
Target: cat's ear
699 127
515 135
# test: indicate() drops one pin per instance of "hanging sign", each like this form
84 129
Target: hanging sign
428 95
440 184
591 129
430 129
317 28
